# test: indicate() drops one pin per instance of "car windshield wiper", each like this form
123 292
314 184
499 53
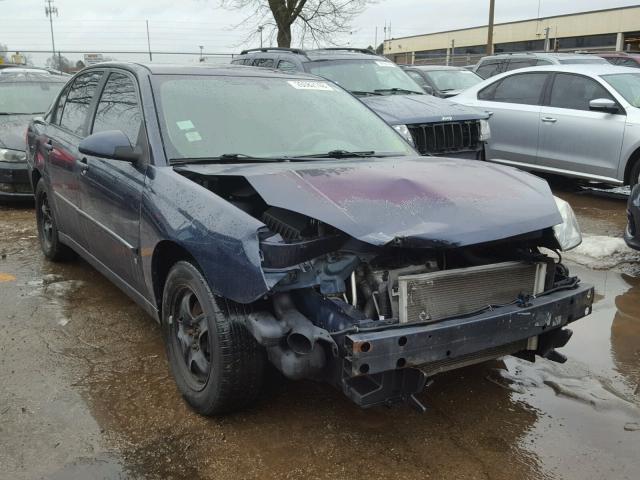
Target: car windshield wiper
228 158
381 91
364 92
341 154
20 113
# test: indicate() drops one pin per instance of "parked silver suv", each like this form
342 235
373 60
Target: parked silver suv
575 120
505 62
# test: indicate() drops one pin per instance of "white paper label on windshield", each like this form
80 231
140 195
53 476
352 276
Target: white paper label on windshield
385 64
193 136
310 85
185 125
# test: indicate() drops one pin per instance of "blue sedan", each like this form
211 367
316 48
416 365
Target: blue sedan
264 216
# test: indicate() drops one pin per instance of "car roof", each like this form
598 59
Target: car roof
427 68
200 69
585 69
17 74
549 55
335 53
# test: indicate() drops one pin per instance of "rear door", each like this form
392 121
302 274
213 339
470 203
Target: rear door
111 190
68 127
574 138
515 103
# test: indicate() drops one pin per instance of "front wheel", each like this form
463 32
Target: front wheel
47 227
217 364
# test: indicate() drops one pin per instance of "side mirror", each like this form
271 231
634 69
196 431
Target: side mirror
112 144
603 105
428 89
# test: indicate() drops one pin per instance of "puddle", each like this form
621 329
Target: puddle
99 401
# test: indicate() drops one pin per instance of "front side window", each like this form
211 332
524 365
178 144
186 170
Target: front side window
627 85
287 66
523 88
447 80
365 76
208 116
264 62
118 108
78 102
27 97
575 92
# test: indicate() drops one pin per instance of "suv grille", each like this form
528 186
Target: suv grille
449 137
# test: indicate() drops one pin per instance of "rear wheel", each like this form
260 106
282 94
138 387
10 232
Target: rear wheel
47 228
217 365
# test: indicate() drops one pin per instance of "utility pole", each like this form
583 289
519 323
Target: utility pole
547 46
49 10
260 29
492 5
201 57
149 43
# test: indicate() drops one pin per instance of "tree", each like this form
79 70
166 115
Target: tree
59 62
320 20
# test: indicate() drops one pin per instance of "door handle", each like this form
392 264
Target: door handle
549 119
84 166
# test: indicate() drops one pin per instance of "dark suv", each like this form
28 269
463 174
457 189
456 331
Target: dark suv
433 125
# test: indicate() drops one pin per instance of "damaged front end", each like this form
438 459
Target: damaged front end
378 315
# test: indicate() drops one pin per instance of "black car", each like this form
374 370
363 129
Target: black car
264 216
440 80
433 125
24 93
632 234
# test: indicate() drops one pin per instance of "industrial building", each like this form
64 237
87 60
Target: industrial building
598 30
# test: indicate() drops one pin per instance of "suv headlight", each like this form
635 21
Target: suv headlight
485 130
568 232
7 155
404 131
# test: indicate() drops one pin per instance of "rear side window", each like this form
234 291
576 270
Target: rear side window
78 102
489 69
575 92
118 108
525 89
287 66
521 63
264 62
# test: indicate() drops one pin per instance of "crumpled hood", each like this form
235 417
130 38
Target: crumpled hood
410 109
13 129
437 201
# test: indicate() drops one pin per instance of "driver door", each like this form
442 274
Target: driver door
111 190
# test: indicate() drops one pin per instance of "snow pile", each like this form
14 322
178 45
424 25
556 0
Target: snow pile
602 252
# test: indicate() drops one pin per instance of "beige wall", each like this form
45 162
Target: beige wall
594 23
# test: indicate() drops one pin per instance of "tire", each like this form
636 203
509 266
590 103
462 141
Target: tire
47 228
217 364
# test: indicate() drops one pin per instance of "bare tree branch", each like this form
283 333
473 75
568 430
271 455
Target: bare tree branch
320 20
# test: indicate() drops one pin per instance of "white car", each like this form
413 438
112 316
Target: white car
576 120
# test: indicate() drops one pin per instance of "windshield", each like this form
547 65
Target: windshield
365 76
210 116
627 85
453 79
27 97
581 61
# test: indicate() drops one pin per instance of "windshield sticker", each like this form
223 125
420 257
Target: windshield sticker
185 125
385 64
193 136
306 85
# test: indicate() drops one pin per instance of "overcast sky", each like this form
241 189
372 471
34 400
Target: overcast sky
182 25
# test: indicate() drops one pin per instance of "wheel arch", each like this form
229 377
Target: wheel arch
165 255
633 159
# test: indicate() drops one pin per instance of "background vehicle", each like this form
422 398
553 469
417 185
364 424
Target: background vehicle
575 120
632 234
269 215
24 92
442 81
505 62
432 125
622 59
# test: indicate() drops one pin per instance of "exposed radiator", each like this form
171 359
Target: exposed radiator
437 295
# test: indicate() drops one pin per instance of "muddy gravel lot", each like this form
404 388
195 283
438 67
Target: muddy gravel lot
85 390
